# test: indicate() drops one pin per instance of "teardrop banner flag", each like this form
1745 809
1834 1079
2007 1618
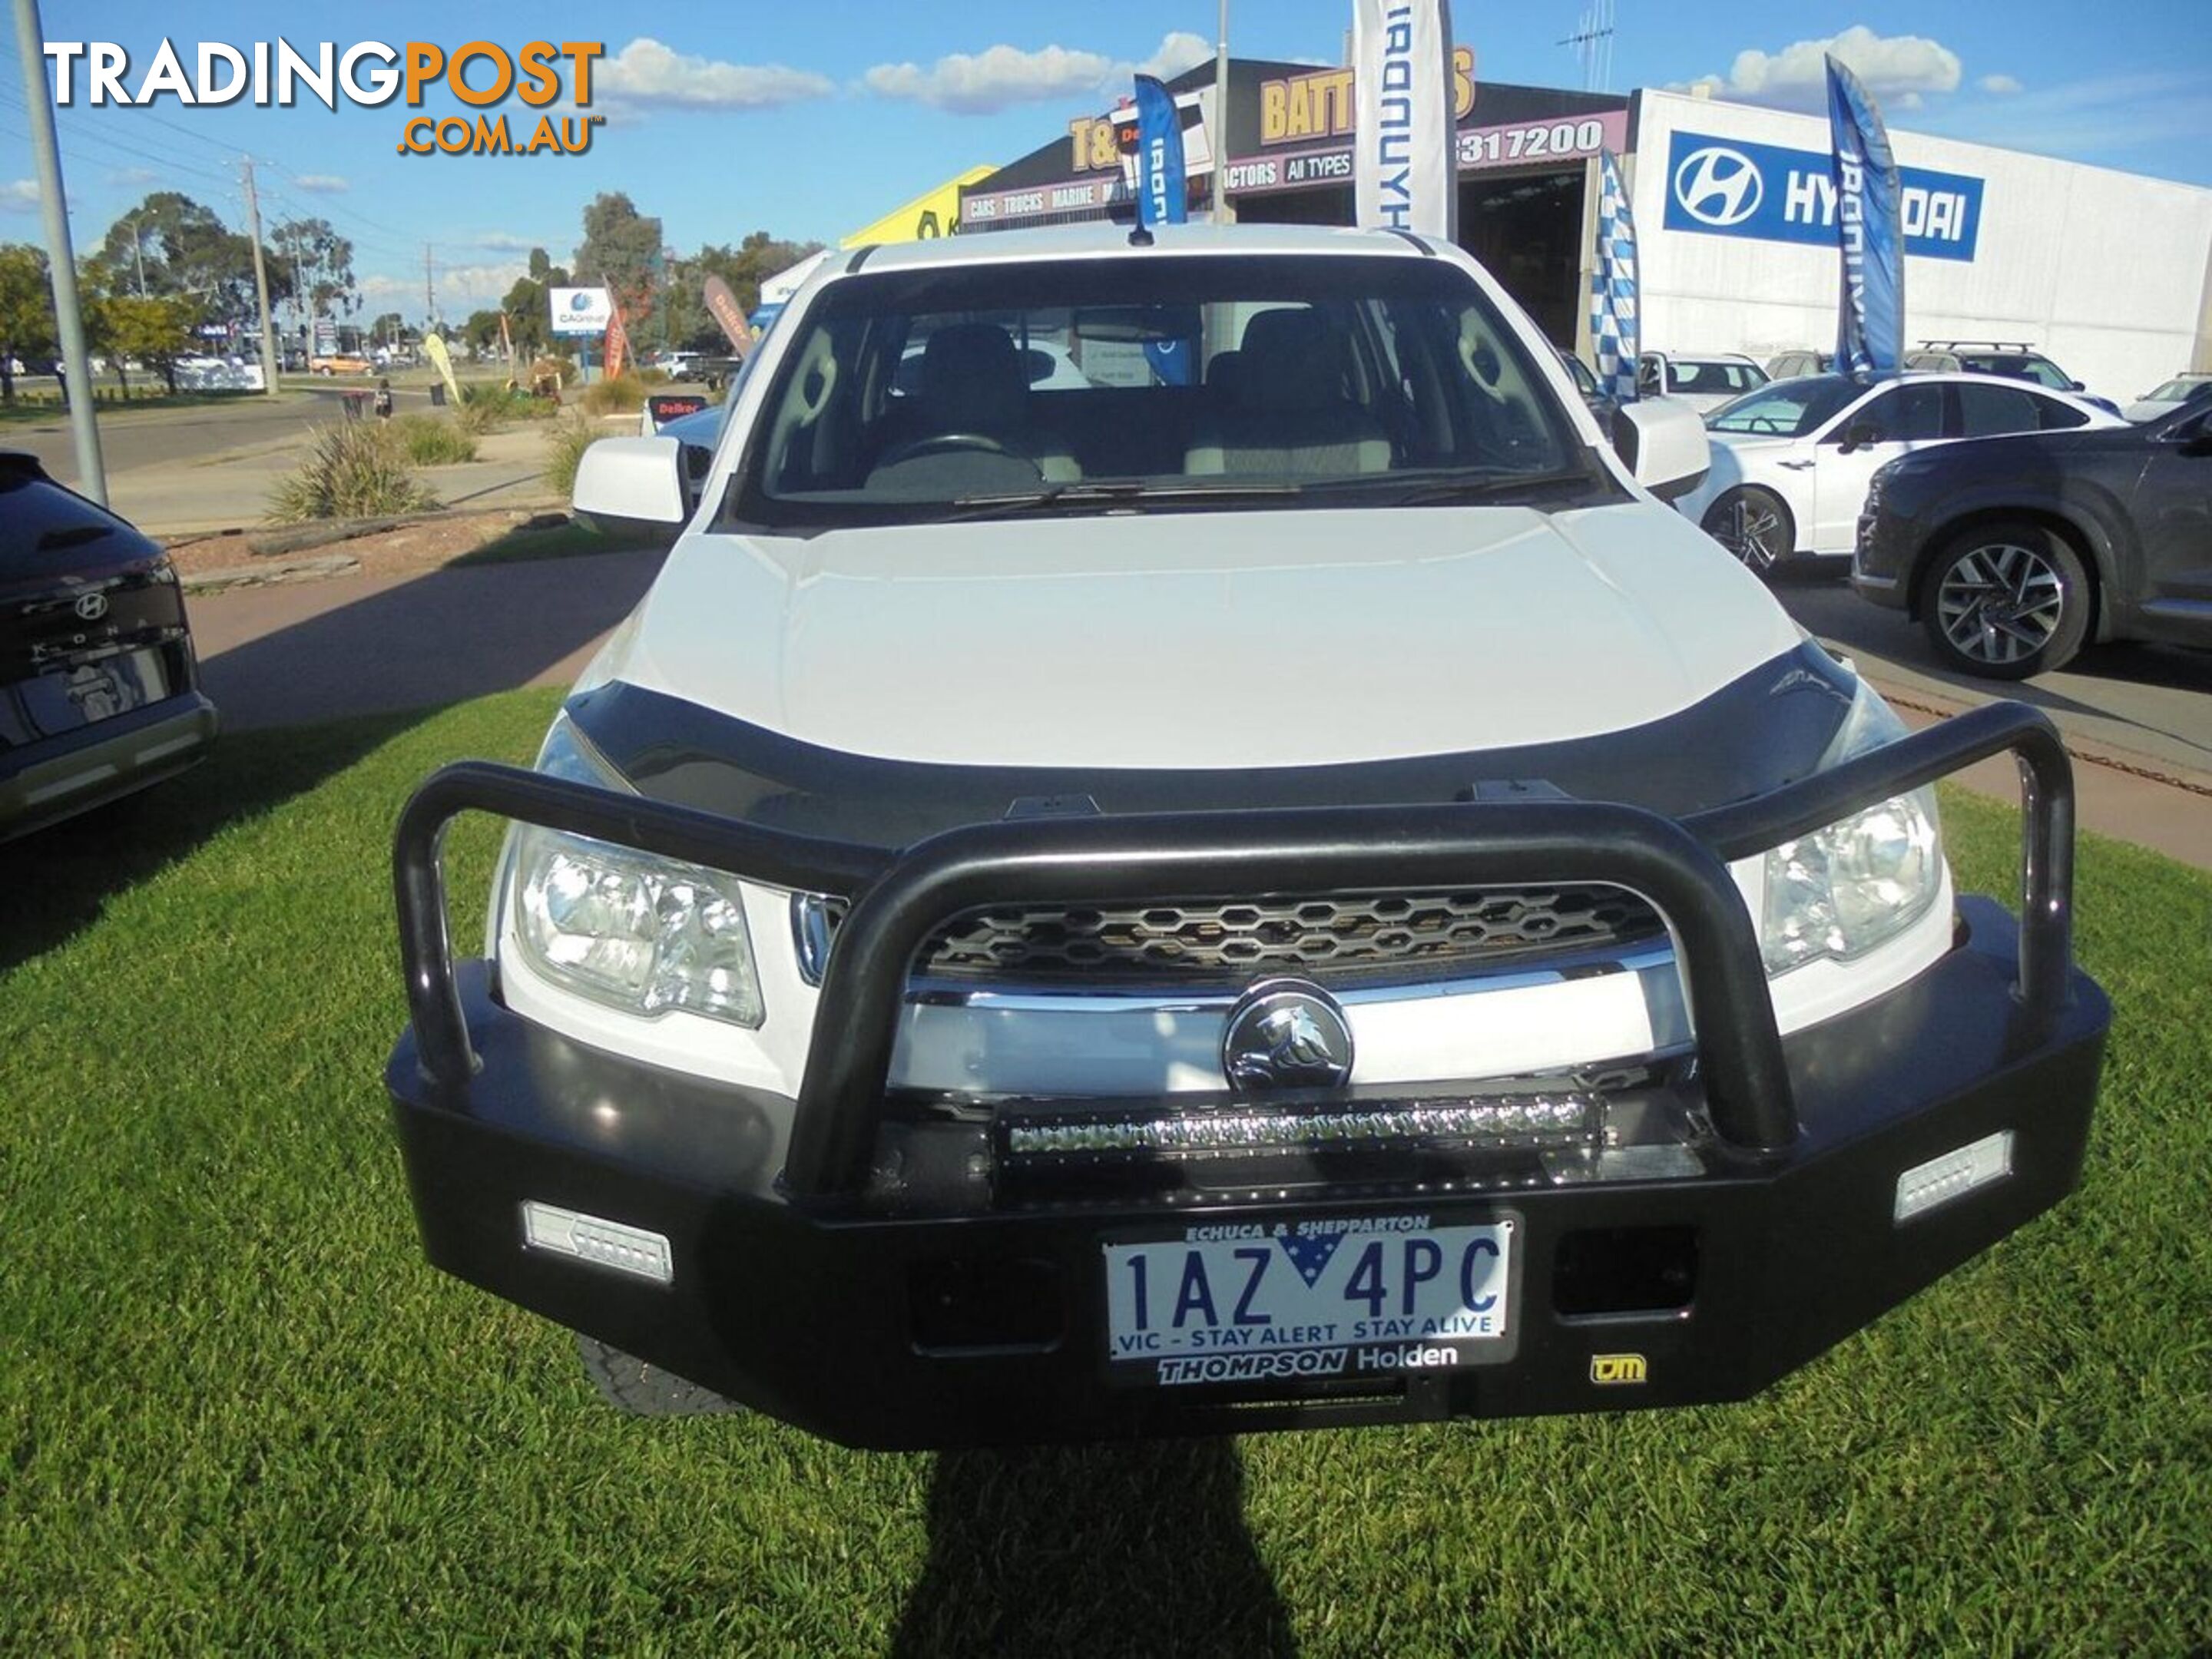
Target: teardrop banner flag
617 343
433 348
1405 165
1614 332
729 314
1869 197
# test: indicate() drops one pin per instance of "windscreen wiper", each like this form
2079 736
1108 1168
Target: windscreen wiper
1433 489
1128 492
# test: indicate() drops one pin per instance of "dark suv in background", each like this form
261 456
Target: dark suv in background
2013 360
2015 552
99 688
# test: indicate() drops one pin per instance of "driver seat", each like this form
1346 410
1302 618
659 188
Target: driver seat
973 381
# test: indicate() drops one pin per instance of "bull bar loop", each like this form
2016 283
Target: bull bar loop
900 898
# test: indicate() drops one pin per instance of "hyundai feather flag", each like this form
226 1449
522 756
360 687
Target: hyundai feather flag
1405 170
1870 312
1614 335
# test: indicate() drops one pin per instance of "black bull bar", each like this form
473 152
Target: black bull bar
899 898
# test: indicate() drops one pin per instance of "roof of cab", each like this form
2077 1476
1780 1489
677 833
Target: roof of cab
1103 239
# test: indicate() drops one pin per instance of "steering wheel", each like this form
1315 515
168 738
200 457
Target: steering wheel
945 443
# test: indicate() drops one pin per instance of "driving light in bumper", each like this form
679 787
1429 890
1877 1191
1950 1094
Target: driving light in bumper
1548 1120
1844 890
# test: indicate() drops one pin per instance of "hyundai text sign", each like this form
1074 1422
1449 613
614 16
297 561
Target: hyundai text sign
1726 187
581 310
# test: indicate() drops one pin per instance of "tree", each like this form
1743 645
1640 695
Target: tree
319 263
482 332
156 332
750 263
27 316
528 303
621 252
170 244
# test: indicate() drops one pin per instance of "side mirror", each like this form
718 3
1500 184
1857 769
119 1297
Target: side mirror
1664 443
634 485
2077 385
1860 435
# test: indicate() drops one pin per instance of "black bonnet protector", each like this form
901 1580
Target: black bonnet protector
1768 728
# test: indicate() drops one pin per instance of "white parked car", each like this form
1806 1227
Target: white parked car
1705 381
1217 901
1791 460
2163 400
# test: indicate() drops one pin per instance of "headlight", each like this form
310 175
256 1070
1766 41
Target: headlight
628 930
1843 890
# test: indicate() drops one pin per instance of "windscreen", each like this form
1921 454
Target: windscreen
1785 409
1164 379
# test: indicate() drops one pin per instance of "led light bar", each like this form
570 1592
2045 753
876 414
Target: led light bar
592 1238
1518 1121
1924 1186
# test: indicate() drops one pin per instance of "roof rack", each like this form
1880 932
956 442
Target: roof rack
1993 345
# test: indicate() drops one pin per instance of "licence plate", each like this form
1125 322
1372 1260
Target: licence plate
1318 1297
68 698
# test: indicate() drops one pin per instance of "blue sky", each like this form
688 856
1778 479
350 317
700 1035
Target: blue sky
811 120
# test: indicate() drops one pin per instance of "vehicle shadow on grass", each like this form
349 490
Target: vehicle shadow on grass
345 667
1138 1550
63 876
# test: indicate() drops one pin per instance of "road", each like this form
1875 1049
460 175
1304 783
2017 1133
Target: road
2147 705
147 437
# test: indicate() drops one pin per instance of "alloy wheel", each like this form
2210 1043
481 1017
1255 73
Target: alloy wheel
2001 604
1752 533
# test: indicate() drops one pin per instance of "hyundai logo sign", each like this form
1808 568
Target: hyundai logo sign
1718 186
1722 185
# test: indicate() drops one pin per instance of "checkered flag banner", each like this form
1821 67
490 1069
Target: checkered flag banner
1615 336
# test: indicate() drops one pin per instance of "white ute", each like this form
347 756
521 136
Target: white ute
1052 859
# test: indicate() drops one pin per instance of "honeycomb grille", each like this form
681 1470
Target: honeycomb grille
1342 937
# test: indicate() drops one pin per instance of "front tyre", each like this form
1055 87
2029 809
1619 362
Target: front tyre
2006 600
1754 525
629 1384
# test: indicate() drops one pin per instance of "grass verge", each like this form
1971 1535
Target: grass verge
239 1414
574 539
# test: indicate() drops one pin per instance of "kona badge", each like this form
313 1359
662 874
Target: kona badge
1287 1034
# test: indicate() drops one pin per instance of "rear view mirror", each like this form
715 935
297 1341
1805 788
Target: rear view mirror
632 485
1663 442
1136 324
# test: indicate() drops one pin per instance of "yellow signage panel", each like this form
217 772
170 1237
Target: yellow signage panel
933 213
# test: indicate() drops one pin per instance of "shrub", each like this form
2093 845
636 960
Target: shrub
432 440
623 394
356 469
568 440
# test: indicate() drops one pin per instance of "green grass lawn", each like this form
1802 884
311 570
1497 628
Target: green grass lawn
238 1415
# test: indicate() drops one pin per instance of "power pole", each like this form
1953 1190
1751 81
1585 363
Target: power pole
260 285
1221 113
61 259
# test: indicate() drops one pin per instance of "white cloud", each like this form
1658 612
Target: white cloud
1180 50
323 183
501 241
461 289
2000 84
646 72
2143 120
134 178
19 196
999 77
1898 70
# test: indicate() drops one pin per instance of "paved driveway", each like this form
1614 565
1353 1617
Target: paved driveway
357 645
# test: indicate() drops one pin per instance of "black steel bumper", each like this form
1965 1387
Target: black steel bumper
875 1282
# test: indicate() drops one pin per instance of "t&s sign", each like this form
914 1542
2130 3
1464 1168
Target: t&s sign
1728 188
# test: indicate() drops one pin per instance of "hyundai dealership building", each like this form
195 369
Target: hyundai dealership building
2108 273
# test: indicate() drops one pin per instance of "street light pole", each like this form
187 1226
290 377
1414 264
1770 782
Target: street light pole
76 362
